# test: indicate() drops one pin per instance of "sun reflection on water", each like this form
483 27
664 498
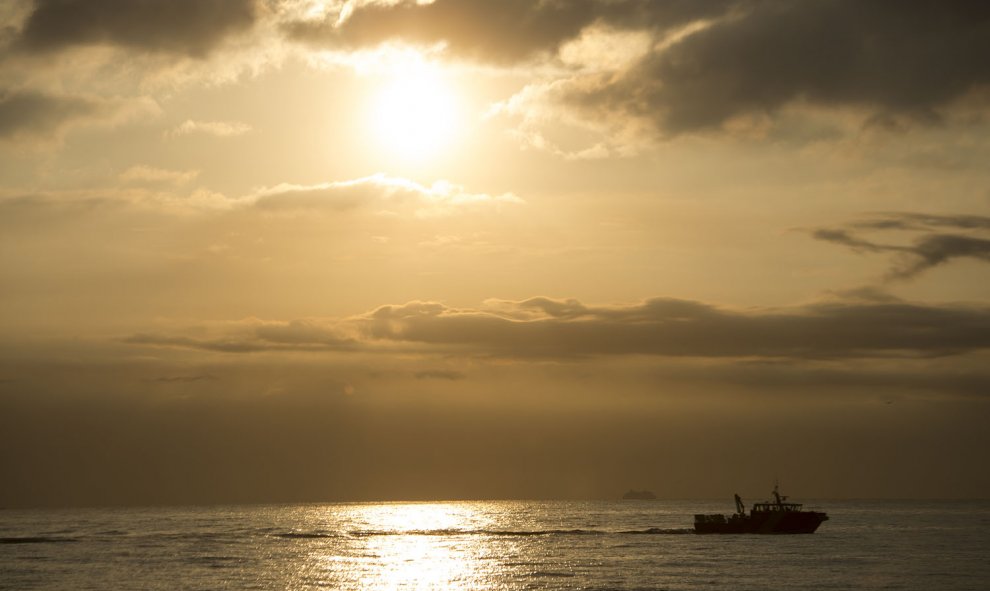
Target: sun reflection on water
416 546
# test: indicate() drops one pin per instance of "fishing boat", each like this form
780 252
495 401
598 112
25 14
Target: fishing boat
769 517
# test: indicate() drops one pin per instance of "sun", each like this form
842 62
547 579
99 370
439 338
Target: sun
416 114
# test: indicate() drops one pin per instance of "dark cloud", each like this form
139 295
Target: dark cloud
297 335
896 59
503 31
679 328
190 27
844 238
36 114
867 326
301 333
556 308
932 248
904 57
916 221
907 59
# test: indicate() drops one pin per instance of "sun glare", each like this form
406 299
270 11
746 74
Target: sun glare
416 114
416 546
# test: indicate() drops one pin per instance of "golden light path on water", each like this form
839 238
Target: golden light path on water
415 546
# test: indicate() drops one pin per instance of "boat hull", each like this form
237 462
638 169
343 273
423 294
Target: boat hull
768 522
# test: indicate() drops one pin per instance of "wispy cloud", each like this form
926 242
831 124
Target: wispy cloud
214 128
939 239
253 336
440 198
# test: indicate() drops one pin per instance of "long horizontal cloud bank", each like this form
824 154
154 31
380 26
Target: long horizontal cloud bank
377 193
547 328
907 59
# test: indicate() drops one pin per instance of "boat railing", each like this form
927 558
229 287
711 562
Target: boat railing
767 507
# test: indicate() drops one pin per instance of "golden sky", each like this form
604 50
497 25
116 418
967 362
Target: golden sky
281 250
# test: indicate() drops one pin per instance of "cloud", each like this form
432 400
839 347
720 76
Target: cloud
378 194
215 128
931 251
921 221
43 116
709 63
542 328
440 198
908 58
504 32
932 248
683 328
187 27
253 336
37 114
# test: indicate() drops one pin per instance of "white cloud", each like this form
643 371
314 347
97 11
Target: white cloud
439 199
215 128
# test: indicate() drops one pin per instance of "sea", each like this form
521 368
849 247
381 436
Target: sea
588 545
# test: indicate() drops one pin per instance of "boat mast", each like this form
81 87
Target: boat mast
779 500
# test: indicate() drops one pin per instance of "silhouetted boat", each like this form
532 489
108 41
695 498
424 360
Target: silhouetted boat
769 517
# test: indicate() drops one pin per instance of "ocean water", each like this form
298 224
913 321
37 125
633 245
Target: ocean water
491 545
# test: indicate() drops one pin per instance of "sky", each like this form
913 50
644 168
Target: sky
303 250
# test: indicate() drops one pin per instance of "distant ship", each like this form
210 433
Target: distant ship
639 495
769 517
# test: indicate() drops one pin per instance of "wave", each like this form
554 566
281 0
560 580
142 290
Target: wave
36 540
305 535
551 574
